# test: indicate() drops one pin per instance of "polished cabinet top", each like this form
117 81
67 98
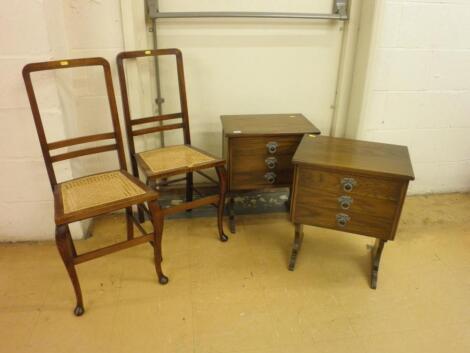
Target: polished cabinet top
267 124
353 155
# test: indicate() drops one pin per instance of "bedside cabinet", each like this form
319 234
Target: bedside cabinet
259 150
352 186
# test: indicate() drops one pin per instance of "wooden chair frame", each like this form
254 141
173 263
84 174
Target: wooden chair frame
219 164
63 238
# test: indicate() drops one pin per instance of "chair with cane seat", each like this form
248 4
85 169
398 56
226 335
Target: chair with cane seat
93 195
161 163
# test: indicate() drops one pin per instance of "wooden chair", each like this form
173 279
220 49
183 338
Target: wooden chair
161 163
93 195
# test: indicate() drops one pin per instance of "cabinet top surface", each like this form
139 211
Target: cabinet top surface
267 124
353 155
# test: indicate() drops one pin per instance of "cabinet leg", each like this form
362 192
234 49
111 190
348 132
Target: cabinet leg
299 237
231 215
376 255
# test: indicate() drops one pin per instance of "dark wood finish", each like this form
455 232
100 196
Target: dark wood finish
267 124
245 143
372 158
221 173
62 236
298 238
153 119
80 140
208 200
112 248
151 130
64 241
247 161
353 186
329 181
83 152
376 254
137 161
157 219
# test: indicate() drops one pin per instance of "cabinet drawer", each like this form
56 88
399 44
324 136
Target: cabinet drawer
348 184
346 202
248 161
360 223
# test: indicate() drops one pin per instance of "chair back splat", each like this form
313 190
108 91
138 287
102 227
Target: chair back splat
47 147
132 123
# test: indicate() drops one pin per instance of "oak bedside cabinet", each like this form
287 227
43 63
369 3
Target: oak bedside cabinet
352 186
259 150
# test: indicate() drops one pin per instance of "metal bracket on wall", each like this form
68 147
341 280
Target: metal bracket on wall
340 7
159 100
339 13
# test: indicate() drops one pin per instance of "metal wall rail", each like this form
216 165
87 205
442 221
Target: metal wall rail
339 13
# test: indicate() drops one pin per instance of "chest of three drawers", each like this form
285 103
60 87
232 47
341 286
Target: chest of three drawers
352 186
259 151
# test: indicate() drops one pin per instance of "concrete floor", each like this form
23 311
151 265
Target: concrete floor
238 297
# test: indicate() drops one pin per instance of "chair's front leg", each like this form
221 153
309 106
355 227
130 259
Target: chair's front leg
66 252
70 242
157 218
222 174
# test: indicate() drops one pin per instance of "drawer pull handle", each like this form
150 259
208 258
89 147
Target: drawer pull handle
345 202
342 219
270 177
348 184
272 147
271 162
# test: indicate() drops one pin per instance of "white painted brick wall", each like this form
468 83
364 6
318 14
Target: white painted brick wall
25 198
32 31
419 92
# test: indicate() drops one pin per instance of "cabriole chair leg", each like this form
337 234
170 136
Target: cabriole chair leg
66 253
222 174
157 217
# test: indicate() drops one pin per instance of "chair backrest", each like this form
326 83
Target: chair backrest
131 123
46 146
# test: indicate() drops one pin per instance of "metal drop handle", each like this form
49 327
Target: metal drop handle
272 147
345 202
271 162
342 219
270 177
348 184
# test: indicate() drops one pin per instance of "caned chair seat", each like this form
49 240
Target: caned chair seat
88 196
172 160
